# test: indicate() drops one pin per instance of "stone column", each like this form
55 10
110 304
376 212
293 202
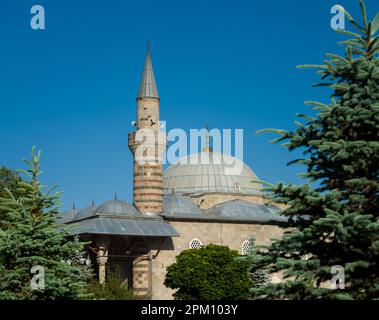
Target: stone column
102 258
141 276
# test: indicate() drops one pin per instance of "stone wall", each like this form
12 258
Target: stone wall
229 234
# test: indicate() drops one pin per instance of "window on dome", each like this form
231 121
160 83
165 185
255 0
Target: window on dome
237 187
195 244
245 247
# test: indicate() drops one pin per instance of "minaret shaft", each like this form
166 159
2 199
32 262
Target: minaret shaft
147 145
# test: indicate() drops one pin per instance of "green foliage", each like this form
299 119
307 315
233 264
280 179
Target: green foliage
211 272
30 235
8 180
335 214
113 289
259 277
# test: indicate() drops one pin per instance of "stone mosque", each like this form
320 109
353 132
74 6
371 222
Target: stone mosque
187 206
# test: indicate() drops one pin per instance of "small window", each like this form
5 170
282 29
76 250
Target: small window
195 244
237 187
245 247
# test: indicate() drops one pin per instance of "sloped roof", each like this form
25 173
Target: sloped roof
68 215
129 227
117 217
233 211
178 204
245 210
117 207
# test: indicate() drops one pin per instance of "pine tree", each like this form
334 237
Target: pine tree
31 236
334 215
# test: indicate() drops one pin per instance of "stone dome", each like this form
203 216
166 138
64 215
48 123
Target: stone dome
210 172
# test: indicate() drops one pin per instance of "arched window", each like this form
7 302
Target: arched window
195 243
245 247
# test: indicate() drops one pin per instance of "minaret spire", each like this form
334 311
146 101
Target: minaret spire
207 147
148 87
148 46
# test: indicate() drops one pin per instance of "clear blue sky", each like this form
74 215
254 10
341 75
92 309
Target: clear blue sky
70 89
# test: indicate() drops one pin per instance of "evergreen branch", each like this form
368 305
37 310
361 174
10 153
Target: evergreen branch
317 104
373 42
265 183
337 57
295 161
24 172
353 34
322 84
364 14
351 42
357 51
375 24
311 66
277 131
306 117
276 140
353 22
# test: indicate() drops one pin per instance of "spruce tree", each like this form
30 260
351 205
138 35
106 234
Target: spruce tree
334 216
259 277
31 236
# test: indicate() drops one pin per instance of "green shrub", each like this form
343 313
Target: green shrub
212 272
113 289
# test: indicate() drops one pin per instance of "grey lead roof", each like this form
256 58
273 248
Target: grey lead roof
244 210
210 172
117 217
148 87
176 207
120 217
177 204
69 215
129 227
117 207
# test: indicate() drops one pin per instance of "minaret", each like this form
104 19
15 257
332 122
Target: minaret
147 145
207 147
